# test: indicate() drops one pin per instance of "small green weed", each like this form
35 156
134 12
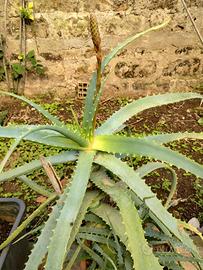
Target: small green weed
52 107
155 186
166 185
26 151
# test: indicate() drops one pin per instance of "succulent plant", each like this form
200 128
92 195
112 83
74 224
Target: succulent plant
105 228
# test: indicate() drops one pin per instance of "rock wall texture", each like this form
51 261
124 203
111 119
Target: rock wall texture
169 59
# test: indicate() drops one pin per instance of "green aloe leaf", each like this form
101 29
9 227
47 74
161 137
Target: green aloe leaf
75 194
151 166
136 244
46 114
26 222
64 157
170 137
157 211
13 147
92 254
40 248
34 186
90 197
31 232
89 109
99 230
172 256
8 154
48 137
64 132
111 216
96 238
97 248
142 147
118 118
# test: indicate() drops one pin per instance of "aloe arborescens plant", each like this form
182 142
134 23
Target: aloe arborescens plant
95 149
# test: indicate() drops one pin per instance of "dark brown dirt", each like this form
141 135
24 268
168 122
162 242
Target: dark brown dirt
5 228
179 117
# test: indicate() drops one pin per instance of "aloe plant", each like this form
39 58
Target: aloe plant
121 228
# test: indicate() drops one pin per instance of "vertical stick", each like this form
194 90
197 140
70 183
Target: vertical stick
3 43
21 29
192 21
22 50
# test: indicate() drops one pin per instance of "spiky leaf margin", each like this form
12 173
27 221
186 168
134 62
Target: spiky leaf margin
64 157
141 253
142 147
41 110
170 137
89 109
48 137
113 123
157 212
40 248
75 194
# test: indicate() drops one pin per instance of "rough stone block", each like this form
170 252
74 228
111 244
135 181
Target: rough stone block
166 60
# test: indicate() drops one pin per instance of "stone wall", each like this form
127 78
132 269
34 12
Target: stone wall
170 59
